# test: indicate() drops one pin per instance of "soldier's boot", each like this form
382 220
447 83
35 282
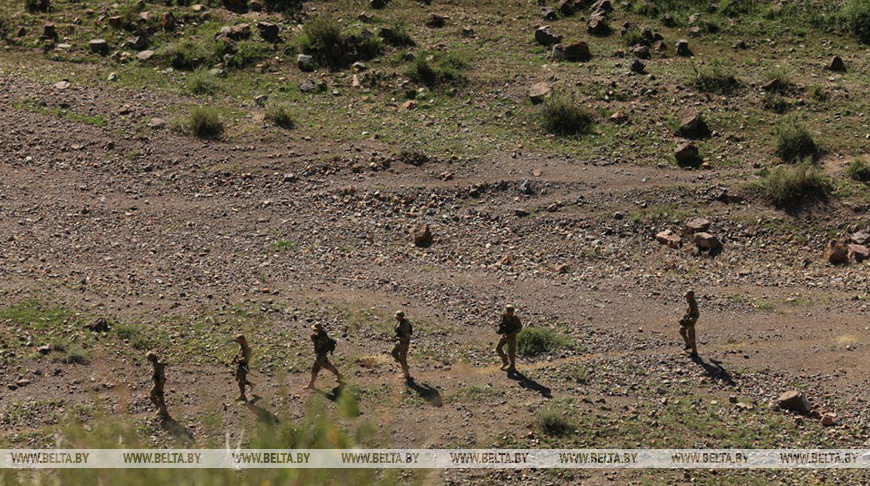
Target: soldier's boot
242 397
684 333
692 344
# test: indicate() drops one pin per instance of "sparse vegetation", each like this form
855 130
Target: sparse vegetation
433 70
792 184
795 143
562 115
34 6
397 35
202 122
859 170
532 341
856 15
553 423
280 115
200 82
325 40
713 78
133 334
70 351
775 103
187 54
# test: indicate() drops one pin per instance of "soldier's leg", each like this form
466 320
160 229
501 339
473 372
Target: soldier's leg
328 366
241 379
512 350
403 357
318 363
684 332
153 397
499 348
691 339
395 352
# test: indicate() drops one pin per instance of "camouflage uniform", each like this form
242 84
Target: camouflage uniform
321 344
158 381
242 361
509 327
687 323
403 331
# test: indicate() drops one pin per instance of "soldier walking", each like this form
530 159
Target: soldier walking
687 323
323 344
242 361
158 381
509 327
403 331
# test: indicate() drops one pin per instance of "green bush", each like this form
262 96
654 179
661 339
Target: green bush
775 103
187 54
70 352
553 423
794 142
856 15
397 35
792 184
324 39
281 115
5 28
205 122
200 82
859 170
133 334
533 341
562 115
286 6
34 6
714 79
442 70
246 53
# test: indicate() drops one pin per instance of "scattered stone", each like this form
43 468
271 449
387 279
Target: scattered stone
507 259
44 349
61 85
99 46
421 235
198 7
540 92
706 241
145 55
268 31
378 4
837 64
860 238
20 32
49 31
669 238
619 117
139 42
156 123
640 51
168 21
99 325
436 21
687 155
566 7
305 62
603 6
409 105
794 401
683 48
597 25
468 31
116 21
521 213
217 72
578 51
829 419
22 382
561 268
234 32
692 125
526 188
697 225
837 253
365 17
255 5
112 77
548 13
638 66
858 253
545 37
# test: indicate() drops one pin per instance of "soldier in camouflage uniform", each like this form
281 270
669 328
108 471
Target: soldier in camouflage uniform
323 345
687 323
242 361
158 381
509 327
403 331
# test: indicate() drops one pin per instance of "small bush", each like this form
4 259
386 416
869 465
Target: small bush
856 15
205 122
34 6
553 423
788 184
818 93
443 70
285 6
200 82
775 103
562 115
859 170
70 352
714 79
397 35
633 37
187 55
323 38
533 341
5 28
794 142
134 335
281 115
247 53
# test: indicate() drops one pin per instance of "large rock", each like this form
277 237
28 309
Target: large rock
638 67
597 25
640 51
603 5
687 155
697 225
794 401
99 46
145 55
683 48
836 253
545 37
860 238
837 64
578 51
234 32
540 92
692 125
858 253
305 62
669 238
706 241
268 31
566 7
421 235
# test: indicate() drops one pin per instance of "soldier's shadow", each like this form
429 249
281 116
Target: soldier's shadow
426 392
179 431
714 369
334 394
263 416
526 382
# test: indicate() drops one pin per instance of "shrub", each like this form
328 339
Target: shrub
70 352
562 115
34 6
322 37
397 35
714 79
281 115
859 170
633 37
205 122
533 341
856 15
446 69
789 184
794 142
133 334
286 6
187 54
775 103
246 53
200 82
5 28
553 423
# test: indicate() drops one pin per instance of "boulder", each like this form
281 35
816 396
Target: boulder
578 51
860 238
697 225
145 55
566 7
234 32
99 46
706 241
597 25
794 401
687 155
139 42
436 20
365 17
619 117
99 325
546 38
603 5
638 66
858 253
547 13
669 238
539 92
692 125
268 31
837 64
116 21
836 253
305 62
421 235
683 48
49 31
640 51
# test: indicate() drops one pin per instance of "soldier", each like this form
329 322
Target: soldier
508 328
323 344
158 381
242 360
687 323
403 342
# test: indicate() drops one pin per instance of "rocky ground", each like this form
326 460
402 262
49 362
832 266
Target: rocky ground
181 243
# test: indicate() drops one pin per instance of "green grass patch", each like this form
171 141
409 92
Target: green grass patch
324 38
28 104
859 170
436 70
856 16
68 351
553 423
200 82
562 115
793 184
794 142
281 115
134 334
285 245
714 78
532 341
202 122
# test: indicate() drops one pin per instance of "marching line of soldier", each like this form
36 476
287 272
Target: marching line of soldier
508 328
